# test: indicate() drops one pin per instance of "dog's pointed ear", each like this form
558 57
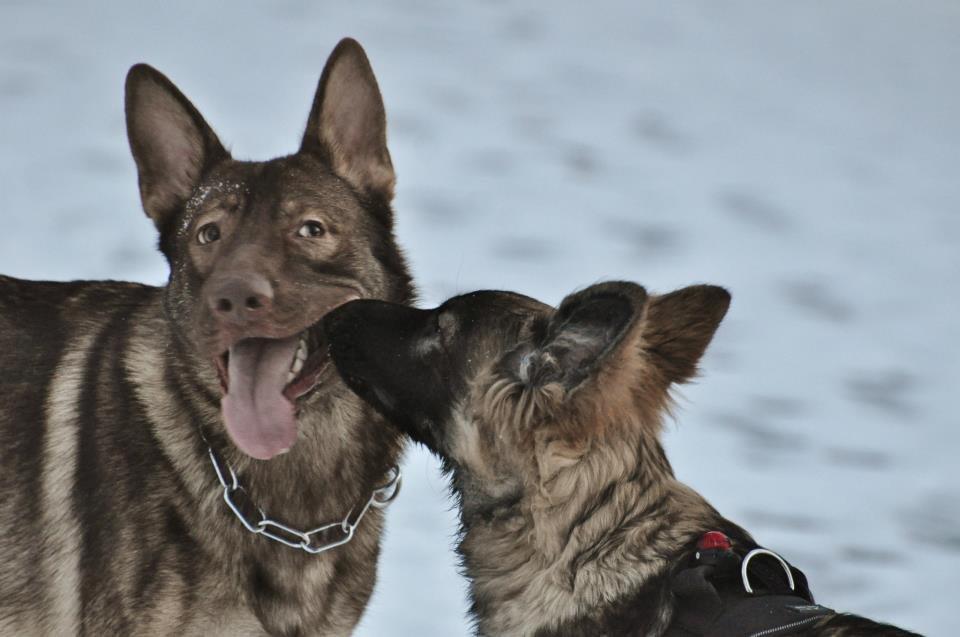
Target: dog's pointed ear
348 125
171 143
587 328
680 325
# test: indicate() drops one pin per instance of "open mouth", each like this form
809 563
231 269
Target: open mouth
262 380
307 361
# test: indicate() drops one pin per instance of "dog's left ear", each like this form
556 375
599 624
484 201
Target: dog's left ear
348 124
584 331
679 326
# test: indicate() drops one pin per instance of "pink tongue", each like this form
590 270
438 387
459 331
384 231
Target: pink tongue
259 418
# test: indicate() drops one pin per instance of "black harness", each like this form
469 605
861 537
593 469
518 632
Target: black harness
722 591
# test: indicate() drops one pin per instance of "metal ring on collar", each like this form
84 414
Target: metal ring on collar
746 562
383 496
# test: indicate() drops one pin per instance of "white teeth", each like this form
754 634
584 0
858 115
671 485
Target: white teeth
297 366
298 359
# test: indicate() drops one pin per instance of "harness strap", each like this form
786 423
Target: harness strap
711 599
764 616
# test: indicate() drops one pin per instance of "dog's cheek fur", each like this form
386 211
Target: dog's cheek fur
180 304
561 424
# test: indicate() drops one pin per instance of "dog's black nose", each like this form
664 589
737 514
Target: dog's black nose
239 298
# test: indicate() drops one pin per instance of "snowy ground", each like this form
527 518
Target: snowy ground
804 155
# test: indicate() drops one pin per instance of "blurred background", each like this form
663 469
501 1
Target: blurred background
804 155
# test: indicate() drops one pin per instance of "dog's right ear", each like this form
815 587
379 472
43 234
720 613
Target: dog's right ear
171 143
348 125
586 329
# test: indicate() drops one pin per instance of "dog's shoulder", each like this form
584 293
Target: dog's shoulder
11 288
39 318
23 301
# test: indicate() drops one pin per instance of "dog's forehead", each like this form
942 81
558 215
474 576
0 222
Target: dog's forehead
299 184
485 323
482 306
218 189
288 186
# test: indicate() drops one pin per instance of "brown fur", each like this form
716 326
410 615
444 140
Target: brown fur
548 561
112 520
549 422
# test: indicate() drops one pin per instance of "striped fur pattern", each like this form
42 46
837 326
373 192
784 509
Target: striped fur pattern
111 518
549 423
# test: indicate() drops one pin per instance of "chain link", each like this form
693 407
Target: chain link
239 502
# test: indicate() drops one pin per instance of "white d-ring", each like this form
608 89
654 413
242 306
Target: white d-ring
746 562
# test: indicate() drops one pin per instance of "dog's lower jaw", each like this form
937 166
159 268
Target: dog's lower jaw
309 379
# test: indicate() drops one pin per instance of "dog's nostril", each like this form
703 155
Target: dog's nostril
224 305
253 303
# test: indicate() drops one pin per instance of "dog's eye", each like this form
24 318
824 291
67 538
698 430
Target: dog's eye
208 234
311 230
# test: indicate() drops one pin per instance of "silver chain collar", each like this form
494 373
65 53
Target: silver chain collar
342 532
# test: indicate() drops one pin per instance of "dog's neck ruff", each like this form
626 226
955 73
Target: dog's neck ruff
315 541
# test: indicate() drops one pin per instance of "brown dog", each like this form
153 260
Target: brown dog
113 518
549 422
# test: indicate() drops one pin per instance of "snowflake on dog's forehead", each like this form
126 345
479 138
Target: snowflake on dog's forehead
200 196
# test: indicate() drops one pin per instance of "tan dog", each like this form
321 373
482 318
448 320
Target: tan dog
549 422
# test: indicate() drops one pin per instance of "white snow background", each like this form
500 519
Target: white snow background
804 155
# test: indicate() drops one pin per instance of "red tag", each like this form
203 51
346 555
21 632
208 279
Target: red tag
714 540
